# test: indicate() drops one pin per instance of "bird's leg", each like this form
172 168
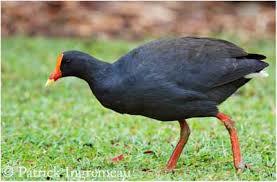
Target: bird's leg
230 126
184 135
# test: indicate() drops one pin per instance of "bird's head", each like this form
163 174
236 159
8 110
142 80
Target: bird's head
69 63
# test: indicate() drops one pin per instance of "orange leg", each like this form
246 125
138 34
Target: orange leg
230 126
184 135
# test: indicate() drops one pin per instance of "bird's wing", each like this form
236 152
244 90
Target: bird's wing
231 69
192 62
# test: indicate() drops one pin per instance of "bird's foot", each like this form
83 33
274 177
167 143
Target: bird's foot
242 166
170 168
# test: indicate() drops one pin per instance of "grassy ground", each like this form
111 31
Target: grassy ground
64 128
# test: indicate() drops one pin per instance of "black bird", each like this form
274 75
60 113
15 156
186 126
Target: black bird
169 79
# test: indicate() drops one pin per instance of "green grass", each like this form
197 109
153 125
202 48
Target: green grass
65 127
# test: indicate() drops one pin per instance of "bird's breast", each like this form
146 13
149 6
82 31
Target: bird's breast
110 98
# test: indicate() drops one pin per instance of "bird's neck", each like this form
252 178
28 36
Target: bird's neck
95 71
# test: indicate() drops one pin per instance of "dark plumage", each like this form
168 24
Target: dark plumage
169 79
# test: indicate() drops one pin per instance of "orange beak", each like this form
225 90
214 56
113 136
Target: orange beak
56 74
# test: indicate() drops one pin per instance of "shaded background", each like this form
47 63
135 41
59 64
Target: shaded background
136 20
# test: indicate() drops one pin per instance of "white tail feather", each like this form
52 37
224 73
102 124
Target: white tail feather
261 74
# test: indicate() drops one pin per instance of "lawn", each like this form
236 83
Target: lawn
65 130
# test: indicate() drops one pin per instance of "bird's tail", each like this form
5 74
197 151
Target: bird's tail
260 73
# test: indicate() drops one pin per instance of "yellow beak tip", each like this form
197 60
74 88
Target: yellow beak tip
49 82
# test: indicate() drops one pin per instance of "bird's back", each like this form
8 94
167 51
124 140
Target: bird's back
168 74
